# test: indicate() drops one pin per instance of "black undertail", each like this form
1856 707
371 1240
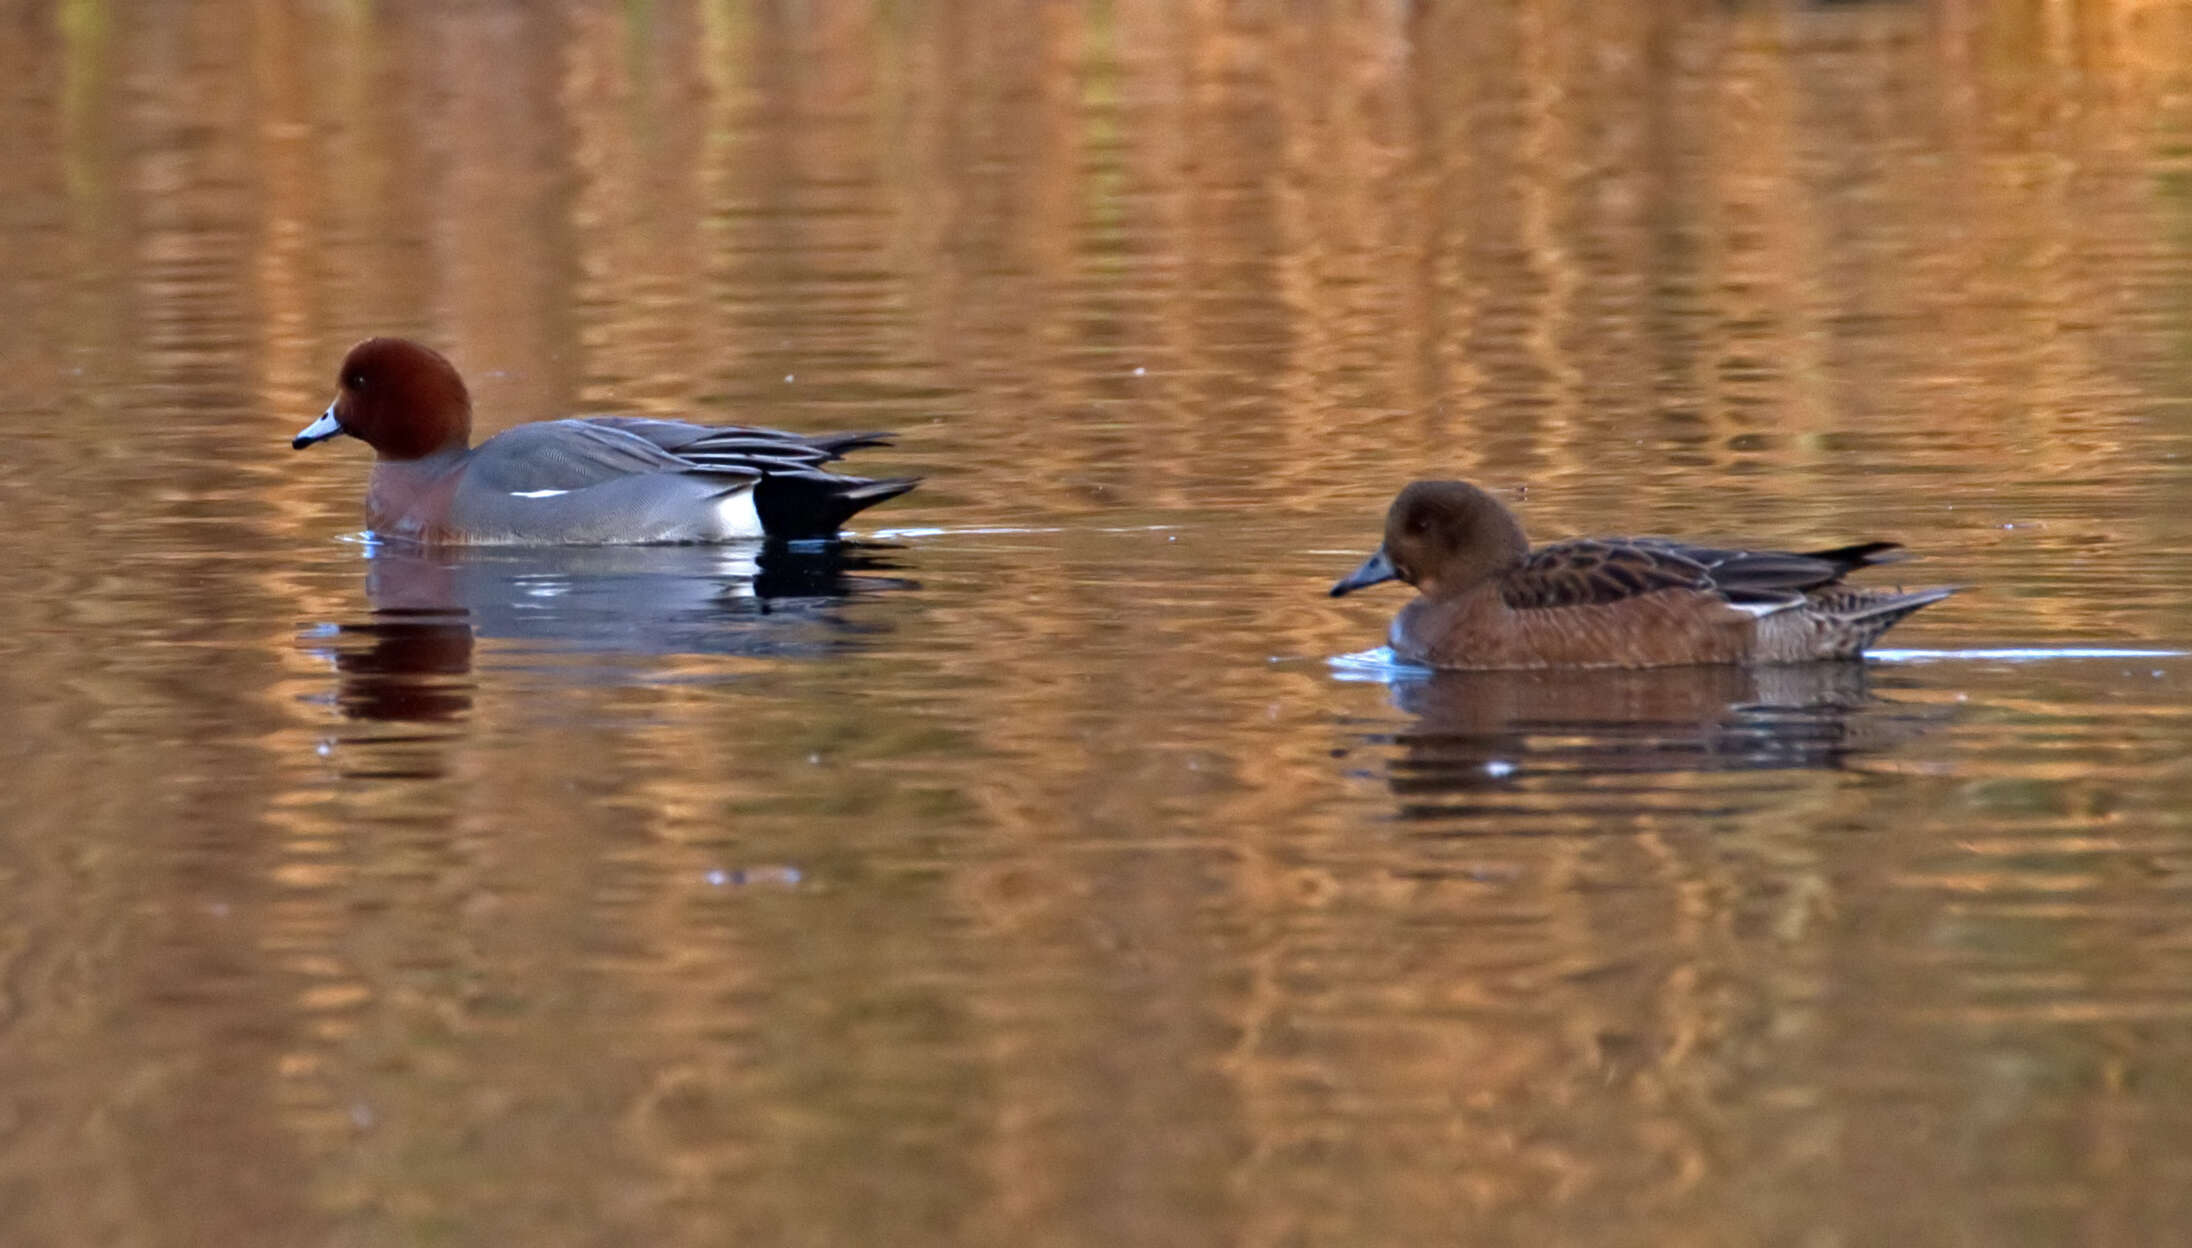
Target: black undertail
798 506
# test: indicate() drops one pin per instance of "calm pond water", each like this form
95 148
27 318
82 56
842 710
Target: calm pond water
1052 866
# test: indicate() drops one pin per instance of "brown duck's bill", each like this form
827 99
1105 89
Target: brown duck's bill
1375 570
318 431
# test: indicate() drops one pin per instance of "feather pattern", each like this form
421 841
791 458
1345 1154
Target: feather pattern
580 452
736 446
1599 571
653 477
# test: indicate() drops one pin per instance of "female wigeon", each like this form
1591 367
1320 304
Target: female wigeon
596 481
1489 601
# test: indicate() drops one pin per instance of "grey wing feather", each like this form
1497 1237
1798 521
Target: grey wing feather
739 445
575 454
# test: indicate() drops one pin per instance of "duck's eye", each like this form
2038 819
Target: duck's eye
356 381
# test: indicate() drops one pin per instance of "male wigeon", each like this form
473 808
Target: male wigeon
594 481
1486 600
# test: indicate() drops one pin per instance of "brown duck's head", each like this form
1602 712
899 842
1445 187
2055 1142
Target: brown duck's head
1442 537
404 400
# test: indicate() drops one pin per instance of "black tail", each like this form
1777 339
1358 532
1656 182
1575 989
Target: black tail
799 505
838 445
1862 555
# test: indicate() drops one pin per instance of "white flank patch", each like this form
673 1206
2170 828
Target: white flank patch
735 515
538 493
1760 610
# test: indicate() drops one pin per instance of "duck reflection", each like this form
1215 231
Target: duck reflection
1487 731
411 661
405 666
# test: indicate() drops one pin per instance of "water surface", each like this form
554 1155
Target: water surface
1029 871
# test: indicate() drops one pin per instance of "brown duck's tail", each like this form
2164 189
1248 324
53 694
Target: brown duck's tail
1847 620
796 506
1884 605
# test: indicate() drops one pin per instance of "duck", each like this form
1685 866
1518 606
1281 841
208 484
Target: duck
580 481
1486 600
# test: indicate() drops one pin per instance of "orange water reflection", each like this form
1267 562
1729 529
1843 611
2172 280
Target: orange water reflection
1031 878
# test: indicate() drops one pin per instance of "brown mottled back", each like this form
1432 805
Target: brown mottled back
1601 570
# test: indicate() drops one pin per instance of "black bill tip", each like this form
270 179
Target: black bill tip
1375 570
